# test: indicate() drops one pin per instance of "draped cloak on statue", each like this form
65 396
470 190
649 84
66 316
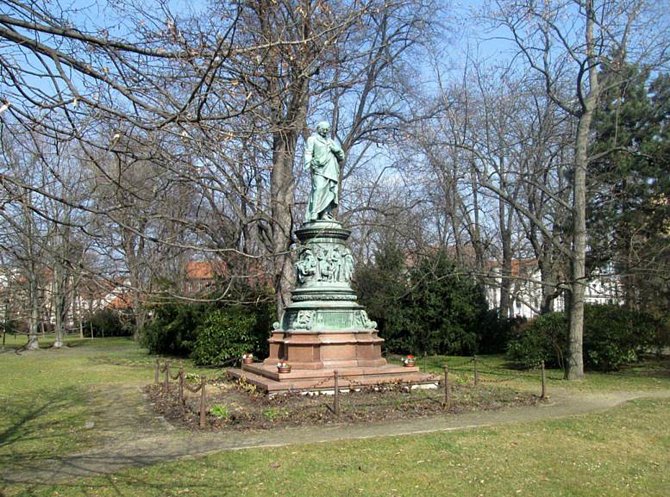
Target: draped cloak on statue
322 157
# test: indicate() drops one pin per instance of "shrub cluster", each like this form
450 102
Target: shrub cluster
613 337
107 323
229 333
431 306
210 333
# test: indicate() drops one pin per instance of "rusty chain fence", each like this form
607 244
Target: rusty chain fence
468 384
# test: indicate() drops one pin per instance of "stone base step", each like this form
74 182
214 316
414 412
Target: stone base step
268 380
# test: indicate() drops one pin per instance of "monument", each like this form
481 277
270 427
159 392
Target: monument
324 329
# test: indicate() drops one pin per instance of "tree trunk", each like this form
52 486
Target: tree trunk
506 240
34 319
282 220
575 362
549 280
58 304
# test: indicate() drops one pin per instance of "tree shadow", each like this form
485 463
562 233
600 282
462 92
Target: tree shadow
35 428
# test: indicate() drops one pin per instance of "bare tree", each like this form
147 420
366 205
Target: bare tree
565 45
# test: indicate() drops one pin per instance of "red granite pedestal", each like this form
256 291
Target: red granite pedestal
324 329
316 356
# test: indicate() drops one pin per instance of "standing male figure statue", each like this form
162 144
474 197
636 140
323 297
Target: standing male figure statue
323 157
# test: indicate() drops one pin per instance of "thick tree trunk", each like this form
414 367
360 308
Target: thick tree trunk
549 284
282 218
506 240
575 362
59 304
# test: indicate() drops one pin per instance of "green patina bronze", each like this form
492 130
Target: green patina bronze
323 299
323 157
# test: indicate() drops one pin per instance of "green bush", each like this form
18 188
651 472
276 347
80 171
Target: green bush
171 330
613 337
107 323
190 329
434 307
544 338
495 332
227 334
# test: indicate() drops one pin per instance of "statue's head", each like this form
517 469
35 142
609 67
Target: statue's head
323 128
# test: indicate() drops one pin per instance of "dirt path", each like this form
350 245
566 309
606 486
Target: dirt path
133 436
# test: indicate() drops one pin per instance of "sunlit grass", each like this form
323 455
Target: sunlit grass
45 406
44 394
650 375
624 452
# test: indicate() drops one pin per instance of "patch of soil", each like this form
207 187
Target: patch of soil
231 405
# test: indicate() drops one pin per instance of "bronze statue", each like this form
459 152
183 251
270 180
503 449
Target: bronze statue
323 157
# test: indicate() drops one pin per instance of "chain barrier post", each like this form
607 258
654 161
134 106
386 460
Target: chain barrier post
182 400
166 384
446 387
544 383
474 359
336 397
203 402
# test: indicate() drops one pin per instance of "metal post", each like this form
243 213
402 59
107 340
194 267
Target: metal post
166 383
544 383
336 399
446 386
157 371
203 402
181 386
476 371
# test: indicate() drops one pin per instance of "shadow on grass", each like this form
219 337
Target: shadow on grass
108 474
40 425
129 485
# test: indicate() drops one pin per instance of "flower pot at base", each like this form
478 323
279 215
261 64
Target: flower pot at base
248 360
409 361
286 369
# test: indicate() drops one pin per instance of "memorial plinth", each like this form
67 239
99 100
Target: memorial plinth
325 329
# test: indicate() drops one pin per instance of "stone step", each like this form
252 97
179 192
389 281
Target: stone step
268 380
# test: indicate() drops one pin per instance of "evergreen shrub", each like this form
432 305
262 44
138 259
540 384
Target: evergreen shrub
227 334
107 323
613 337
429 307
212 332
171 330
544 338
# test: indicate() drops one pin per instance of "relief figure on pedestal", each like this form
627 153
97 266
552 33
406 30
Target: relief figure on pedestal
303 321
335 262
323 264
365 322
347 266
307 266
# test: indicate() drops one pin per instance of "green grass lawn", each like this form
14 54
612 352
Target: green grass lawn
43 394
623 452
652 375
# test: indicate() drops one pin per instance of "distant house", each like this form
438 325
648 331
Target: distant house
526 289
201 275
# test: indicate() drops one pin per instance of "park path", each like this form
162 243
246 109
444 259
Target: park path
133 436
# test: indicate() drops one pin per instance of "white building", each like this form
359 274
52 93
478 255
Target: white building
526 289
